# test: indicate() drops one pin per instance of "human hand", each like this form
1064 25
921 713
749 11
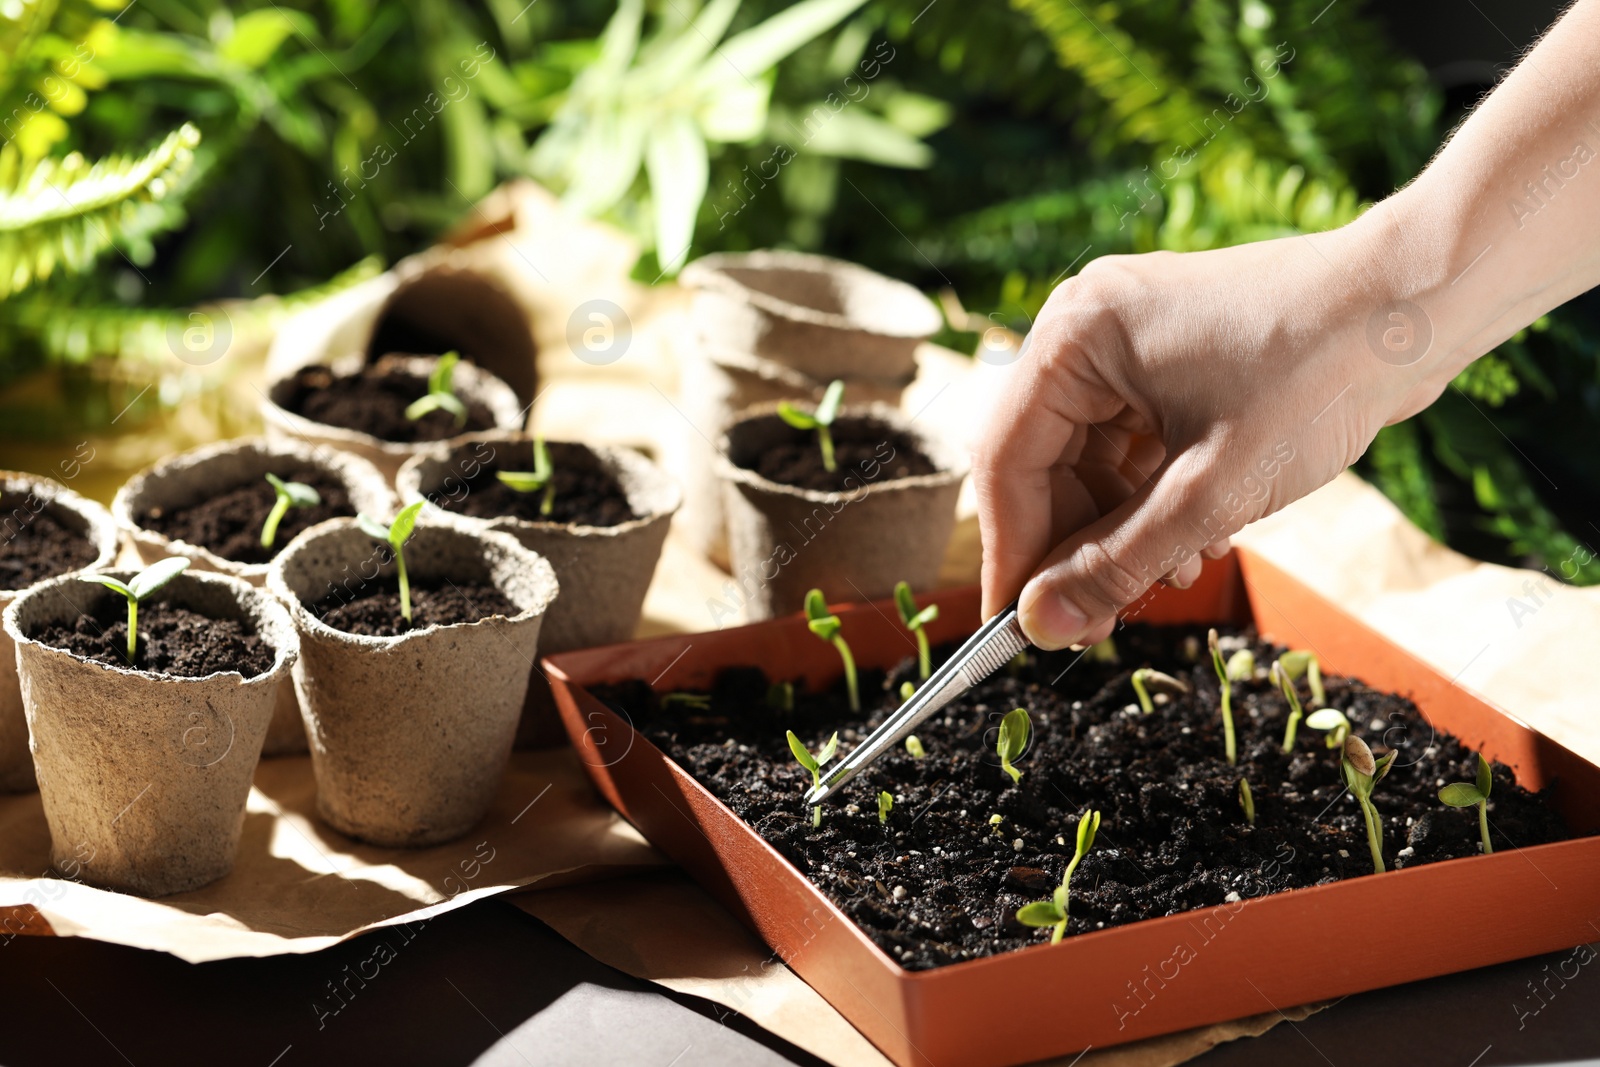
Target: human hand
1166 400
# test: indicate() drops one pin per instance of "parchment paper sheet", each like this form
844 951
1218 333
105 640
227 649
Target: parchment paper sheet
299 886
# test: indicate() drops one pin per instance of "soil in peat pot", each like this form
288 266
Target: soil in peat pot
37 545
374 402
864 450
585 496
229 522
940 883
374 609
172 640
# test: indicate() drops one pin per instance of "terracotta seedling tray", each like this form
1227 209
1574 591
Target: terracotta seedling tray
1135 981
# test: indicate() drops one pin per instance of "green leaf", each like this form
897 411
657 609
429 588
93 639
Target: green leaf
109 582
258 34
816 605
1241 666
826 628
300 494
856 134
800 420
828 749
1013 737
423 405
157 575
745 56
885 805
523 481
914 746
923 617
542 467
1088 826
1326 719
1295 662
828 409
443 373
404 523
802 754
905 603
676 162
1039 913
372 527
1485 776
1460 794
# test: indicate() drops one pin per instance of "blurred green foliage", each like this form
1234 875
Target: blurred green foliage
984 147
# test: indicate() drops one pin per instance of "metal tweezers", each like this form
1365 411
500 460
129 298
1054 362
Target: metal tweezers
992 647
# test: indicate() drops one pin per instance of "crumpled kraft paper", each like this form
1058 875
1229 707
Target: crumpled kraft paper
298 885
663 928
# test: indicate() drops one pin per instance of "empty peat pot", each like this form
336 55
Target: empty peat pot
144 775
410 731
823 317
610 513
47 530
210 503
888 518
360 407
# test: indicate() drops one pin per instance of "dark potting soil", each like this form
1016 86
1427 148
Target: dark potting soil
584 497
941 883
35 544
229 522
865 451
374 610
172 640
374 402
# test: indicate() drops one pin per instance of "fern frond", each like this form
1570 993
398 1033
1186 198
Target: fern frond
63 213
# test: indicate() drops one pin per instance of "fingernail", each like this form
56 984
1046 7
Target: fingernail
1051 621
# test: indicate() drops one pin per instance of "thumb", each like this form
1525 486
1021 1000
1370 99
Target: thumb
1092 576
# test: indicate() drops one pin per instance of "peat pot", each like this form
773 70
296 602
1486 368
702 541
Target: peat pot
144 776
203 474
409 734
604 571
471 383
39 496
1275 948
853 545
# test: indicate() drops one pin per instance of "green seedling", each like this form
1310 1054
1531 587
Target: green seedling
1247 801
1361 773
290 495
814 764
1225 680
1333 721
1300 662
1242 666
915 621
1053 912
907 691
1285 684
914 746
885 805
696 701
1013 740
819 419
1148 683
395 536
440 396
780 696
1466 794
541 477
139 587
827 626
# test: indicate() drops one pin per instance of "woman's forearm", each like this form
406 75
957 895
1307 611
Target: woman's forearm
1504 225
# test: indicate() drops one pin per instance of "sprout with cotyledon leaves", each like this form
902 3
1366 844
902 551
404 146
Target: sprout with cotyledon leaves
826 626
541 477
289 495
138 588
1053 912
819 419
1147 681
1361 773
1466 794
440 395
1013 740
914 621
395 536
814 764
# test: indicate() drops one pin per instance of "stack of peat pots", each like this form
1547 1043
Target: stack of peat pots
780 326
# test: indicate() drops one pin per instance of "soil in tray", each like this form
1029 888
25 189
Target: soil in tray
229 522
864 450
374 609
374 402
942 883
35 544
172 640
585 496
